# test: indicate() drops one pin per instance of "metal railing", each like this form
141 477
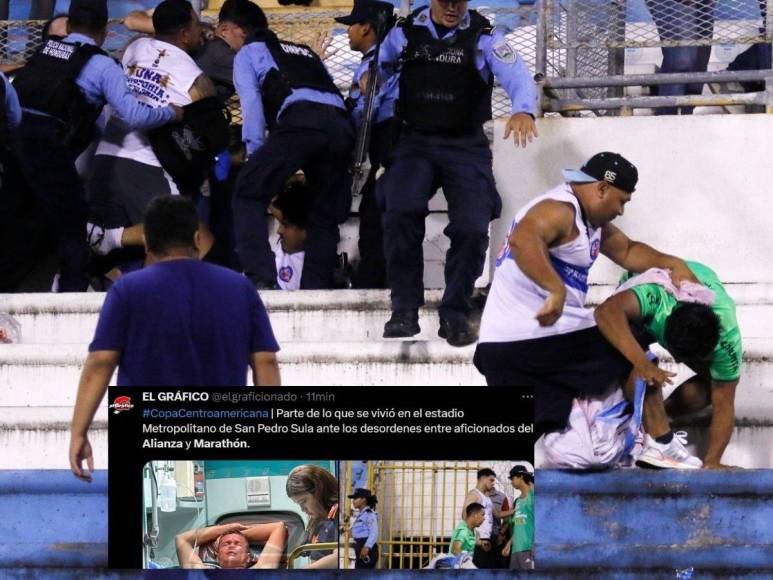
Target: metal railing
565 41
420 504
582 45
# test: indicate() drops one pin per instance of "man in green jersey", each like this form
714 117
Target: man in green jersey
520 548
705 338
463 538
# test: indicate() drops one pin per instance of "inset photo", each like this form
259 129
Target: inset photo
408 515
240 514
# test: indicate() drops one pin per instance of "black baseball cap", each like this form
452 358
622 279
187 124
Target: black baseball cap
520 469
610 167
97 7
366 11
360 492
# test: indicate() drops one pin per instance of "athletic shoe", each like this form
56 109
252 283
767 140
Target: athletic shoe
672 455
403 324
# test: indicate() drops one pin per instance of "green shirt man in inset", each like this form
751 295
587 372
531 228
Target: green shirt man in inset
684 330
463 538
520 548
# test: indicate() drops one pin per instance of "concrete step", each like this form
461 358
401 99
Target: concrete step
648 520
39 375
314 315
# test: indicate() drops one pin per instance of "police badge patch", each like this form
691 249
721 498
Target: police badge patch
505 53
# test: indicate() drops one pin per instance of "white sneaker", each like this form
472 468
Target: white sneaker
672 455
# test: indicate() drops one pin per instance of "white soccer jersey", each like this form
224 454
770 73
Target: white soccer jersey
515 299
289 268
158 73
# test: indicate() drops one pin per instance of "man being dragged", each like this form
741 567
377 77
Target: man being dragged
127 172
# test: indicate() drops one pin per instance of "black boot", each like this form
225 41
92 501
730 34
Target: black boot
403 324
457 331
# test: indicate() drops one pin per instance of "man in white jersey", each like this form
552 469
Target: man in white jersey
536 331
484 555
127 173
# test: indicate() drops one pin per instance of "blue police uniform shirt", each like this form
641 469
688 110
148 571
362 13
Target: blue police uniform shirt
366 526
384 102
103 80
251 65
12 107
183 323
494 55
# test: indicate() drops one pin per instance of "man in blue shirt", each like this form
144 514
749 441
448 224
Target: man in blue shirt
362 32
285 87
446 58
179 322
62 91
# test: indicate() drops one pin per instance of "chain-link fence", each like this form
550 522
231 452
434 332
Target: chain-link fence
19 39
589 38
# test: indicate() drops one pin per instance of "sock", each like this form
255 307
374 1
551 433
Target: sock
665 439
102 240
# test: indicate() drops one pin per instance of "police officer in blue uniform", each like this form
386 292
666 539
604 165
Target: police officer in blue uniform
284 87
365 528
62 90
363 36
446 57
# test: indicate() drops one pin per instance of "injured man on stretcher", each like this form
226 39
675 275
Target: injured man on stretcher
696 324
229 546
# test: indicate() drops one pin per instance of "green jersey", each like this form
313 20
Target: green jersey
656 305
464 535
522 524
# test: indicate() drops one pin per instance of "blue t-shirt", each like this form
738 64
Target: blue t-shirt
183 323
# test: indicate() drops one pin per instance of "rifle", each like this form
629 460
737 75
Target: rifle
361 160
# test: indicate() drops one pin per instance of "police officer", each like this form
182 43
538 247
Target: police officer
62 91
446 58
362 32
285 87
365 528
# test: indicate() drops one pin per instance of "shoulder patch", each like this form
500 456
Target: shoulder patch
503 52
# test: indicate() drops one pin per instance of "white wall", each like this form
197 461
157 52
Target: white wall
705 184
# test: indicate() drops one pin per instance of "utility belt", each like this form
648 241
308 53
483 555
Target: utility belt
312 107
472 131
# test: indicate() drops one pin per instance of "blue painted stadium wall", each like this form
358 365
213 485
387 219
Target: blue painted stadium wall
630 524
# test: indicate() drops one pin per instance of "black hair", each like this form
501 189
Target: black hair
44 33
245 14
473 509
172 16
486 472
527 477
691 332
170 222
84 19
295 203
371 500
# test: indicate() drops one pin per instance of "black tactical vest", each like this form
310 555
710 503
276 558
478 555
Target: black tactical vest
187 149
47 84
298 67
440 86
